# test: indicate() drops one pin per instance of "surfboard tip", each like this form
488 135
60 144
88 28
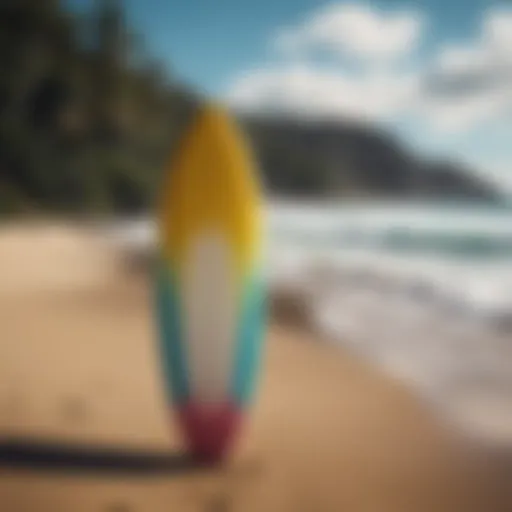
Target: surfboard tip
210 432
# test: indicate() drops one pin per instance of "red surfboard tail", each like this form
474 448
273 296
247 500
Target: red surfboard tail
210 429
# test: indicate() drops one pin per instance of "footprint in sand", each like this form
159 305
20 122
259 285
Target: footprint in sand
13 405
119 507
219 503
74 409
221 493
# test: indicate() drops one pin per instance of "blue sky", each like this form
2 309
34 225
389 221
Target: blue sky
208 41
366 59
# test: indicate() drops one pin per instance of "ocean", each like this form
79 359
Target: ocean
423 291
463 253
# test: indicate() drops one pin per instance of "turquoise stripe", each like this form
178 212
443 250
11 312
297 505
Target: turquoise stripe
249 341
172 349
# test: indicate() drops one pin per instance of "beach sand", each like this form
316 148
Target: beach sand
78 363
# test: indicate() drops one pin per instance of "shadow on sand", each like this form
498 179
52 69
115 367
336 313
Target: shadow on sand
57 457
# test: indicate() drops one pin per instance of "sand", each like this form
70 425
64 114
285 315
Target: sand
78 362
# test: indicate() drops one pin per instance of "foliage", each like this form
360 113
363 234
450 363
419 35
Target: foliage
86 120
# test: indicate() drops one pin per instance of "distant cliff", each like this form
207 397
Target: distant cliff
331 159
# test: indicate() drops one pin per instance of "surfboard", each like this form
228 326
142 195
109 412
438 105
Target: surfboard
209 282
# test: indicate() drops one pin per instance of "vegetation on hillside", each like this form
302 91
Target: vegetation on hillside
86 116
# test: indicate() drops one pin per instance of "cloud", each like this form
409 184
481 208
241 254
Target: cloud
461 86
354 30
315 92
487 61
472 84
461 58
456 114
350 31
498 31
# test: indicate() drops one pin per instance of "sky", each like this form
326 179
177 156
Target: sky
436 72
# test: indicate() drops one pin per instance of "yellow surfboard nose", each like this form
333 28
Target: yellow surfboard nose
212 187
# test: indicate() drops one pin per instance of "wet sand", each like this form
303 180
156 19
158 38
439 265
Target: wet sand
78 363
